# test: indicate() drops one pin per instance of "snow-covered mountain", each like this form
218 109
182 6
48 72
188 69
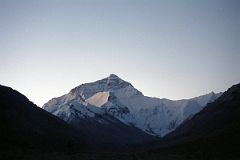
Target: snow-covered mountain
114 97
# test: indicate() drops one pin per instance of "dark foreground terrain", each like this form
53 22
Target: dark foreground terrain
28 132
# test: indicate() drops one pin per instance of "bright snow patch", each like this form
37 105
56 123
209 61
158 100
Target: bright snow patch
98 99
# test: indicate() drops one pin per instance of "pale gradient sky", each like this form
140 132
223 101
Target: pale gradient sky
166 48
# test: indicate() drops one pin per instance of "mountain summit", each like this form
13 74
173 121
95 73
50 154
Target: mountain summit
110 84
115 98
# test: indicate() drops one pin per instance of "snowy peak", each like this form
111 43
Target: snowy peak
116 98
111 83
113 76
207 98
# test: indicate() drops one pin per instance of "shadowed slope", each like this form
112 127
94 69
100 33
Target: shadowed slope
26 128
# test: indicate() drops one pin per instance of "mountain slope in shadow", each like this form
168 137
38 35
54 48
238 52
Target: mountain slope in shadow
26 129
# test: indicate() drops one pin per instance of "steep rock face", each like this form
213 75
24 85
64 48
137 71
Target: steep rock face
117 98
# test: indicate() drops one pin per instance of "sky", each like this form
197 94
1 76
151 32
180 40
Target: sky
166 48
